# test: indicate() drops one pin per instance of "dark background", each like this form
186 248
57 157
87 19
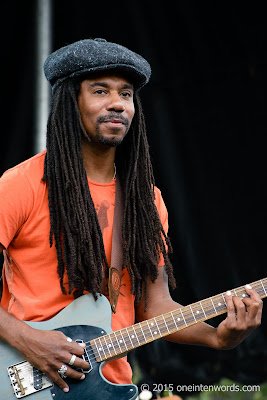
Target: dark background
206 116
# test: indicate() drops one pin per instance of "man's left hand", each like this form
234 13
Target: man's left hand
243 316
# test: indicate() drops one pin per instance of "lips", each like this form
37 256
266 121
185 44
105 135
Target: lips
115 121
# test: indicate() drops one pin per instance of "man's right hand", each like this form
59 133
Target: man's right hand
45 350
48 351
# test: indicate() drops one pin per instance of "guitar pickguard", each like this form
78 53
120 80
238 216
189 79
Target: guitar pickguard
95 386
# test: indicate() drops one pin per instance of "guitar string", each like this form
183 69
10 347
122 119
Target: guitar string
146 329
160 324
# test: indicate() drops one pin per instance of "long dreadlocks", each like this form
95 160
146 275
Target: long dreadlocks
74 224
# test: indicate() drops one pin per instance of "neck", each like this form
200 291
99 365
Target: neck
99 162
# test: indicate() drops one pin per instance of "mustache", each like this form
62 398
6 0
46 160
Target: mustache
113 115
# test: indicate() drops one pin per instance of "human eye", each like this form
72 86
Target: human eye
127 94
99 91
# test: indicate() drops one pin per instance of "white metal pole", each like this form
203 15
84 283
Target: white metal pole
43 30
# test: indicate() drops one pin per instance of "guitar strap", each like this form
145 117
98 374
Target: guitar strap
114 280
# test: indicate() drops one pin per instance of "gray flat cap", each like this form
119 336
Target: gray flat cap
90 55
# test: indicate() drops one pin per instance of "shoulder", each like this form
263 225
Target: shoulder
159 202
19 188
30 170
28 165
22 182
157 193
161 207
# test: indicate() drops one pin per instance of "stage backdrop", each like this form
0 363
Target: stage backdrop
206 116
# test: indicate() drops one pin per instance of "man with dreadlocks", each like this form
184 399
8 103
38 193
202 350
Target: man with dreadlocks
57 211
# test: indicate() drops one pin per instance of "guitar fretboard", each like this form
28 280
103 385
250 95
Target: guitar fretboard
121 342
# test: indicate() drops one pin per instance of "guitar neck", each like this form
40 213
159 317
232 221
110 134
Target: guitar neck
121 342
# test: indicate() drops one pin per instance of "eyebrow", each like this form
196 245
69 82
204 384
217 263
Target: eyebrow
105 85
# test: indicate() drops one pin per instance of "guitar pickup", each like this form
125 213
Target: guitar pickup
86 358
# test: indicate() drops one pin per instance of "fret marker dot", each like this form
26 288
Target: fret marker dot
100 349
133 336
219 304
109 345
120 341
197 312
152 324
243 295
155 332
178 319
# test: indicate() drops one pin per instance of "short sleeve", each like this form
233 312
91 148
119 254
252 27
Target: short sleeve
162 210
16 202
163 215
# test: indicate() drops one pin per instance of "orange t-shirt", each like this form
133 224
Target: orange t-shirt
31 288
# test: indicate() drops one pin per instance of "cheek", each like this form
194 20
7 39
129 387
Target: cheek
86 107
87 114
131 113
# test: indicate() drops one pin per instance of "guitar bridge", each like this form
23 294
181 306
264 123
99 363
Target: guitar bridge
25 379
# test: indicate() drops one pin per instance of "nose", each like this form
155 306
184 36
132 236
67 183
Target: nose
115 103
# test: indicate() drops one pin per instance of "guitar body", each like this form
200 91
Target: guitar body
89 319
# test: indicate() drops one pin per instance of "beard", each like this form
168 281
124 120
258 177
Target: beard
113 140
110 142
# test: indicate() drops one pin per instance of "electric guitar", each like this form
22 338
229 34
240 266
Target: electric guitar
89 321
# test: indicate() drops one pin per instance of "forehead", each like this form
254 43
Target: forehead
109 76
